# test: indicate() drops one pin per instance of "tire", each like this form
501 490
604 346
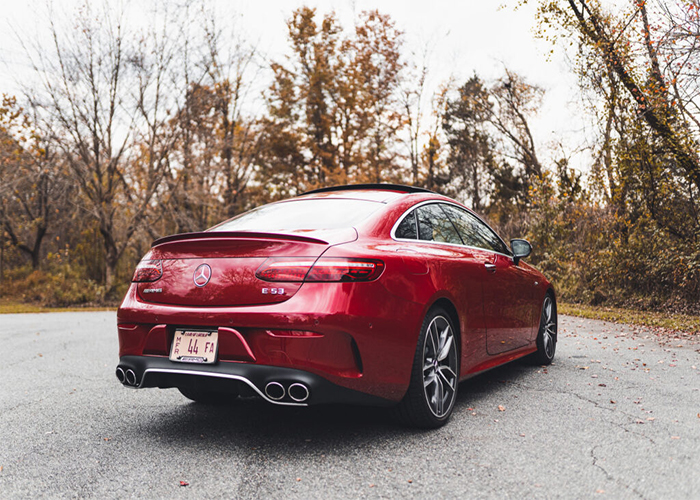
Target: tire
432 391
547 334
207 397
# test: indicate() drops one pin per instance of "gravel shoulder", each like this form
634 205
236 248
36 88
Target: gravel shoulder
616 416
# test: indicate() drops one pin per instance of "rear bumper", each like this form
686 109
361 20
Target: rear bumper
360 346
241 378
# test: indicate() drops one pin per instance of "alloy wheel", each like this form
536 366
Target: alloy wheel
549 332
440 366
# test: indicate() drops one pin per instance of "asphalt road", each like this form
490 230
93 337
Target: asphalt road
616 416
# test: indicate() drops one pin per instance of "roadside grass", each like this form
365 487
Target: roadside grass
672 322
11 307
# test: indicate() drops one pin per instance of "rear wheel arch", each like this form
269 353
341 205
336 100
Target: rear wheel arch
551 293
448 306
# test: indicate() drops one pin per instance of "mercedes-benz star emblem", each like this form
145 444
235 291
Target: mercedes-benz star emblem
202 275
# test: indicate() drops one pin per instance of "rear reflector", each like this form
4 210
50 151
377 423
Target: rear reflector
147 271
326 269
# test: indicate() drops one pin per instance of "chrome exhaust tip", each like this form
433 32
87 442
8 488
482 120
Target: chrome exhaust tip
298 392
274 391
121 376
130 377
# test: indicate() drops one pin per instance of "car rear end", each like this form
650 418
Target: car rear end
292 310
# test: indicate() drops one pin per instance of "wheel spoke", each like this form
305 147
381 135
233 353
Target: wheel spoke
547 340
444 378
448 370
433 339
439 392
446 348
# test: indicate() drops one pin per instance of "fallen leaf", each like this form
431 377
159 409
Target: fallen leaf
501 408
372 485
410 480
613 401
107 439
600 491
651 419
184 483
675 437
298 479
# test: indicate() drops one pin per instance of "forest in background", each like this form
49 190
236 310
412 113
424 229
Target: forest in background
129 133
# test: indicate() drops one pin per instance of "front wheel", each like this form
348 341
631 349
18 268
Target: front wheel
547 334
432 392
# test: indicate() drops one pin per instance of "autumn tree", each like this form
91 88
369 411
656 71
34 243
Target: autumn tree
33 185
105 93
647 57
218 142
333 107
471 157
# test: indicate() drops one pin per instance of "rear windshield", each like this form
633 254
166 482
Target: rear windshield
318 213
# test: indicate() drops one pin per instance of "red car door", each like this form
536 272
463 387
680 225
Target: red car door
508 311
507 288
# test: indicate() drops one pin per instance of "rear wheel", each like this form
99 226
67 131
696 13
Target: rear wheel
547 335
207 397
432 392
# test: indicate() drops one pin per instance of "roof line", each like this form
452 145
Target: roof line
382 187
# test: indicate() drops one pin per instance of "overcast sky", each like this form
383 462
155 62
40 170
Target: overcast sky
465 36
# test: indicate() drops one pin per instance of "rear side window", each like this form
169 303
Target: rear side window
474 232
407 230
435 225
316 213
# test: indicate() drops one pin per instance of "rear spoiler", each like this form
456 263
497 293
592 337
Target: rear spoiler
223 235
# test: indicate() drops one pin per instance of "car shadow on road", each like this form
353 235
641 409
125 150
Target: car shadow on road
252 423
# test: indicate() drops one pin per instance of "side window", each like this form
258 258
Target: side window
407 228
435 225
474 232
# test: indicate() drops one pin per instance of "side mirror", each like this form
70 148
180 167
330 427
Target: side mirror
521 249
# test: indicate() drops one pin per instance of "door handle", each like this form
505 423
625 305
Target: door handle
490 267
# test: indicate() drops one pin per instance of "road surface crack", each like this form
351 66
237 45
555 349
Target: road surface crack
610 477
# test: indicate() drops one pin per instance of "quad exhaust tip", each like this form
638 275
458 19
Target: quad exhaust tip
126 376
274 391
130 377
298 392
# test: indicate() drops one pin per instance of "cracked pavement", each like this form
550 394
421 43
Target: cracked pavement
616 416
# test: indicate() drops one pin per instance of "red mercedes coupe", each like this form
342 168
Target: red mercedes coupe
366 294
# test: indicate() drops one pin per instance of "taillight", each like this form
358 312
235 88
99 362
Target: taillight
326 269
334 269
148 270
284 269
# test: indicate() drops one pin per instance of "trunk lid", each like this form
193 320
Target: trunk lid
218 268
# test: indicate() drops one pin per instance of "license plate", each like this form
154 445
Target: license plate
194 346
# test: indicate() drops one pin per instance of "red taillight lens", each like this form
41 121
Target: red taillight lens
328 269
284 269
338 269
148 270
